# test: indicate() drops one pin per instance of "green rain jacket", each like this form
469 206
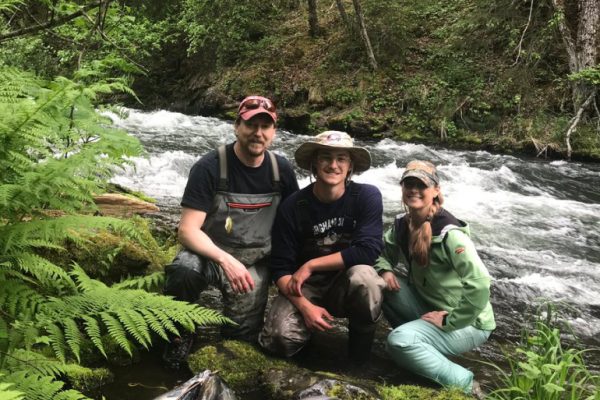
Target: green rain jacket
455 279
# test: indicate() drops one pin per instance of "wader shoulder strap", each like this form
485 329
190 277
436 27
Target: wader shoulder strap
275 168
223 183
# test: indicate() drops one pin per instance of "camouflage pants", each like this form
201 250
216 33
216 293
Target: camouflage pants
189 274
355 293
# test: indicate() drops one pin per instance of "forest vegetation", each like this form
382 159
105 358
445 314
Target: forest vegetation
500 75
503 75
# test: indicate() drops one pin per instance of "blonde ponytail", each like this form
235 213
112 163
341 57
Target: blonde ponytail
420 236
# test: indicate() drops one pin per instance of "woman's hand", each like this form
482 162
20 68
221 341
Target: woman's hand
435 317
391 283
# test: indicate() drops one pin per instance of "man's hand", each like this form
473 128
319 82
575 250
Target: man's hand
391 283
435 317
238 276
294 285
316 318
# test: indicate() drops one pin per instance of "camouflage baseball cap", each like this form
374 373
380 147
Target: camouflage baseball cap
422 170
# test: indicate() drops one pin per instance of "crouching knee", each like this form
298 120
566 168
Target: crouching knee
399 342
281 343
365 293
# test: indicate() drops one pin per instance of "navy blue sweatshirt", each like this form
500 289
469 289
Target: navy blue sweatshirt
306 228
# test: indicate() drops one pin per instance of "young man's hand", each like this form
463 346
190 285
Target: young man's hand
316 318
294 285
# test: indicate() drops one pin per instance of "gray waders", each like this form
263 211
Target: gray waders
240 224
355 293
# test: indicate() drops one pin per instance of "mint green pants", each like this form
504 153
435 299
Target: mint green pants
421 347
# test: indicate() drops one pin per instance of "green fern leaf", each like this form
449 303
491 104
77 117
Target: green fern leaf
57 341
73 336
116 331
92 329
132 325
154 323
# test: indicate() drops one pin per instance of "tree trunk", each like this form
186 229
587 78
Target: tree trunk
363 33
313 19
343 15
582 45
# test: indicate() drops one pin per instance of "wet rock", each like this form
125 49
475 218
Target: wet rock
334 389
203 386
247 369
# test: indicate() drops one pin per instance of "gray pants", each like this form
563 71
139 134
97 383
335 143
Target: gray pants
355 293
189 274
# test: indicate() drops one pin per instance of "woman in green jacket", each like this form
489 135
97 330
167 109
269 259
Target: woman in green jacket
439 306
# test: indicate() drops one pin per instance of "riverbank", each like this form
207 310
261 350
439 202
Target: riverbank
436 83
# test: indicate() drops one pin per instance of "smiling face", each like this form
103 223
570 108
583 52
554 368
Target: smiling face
332 166
417 195
255 135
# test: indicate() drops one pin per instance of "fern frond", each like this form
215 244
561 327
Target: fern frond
57 341
6 394
73 336
20 360
92 329
116 331
147 282
38 387
155 325
44 271
135 325
18 298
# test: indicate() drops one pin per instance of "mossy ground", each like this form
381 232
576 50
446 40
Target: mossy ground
245 368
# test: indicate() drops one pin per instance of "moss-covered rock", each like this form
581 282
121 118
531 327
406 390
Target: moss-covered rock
239 363
88 380
407 392
110 256
245 368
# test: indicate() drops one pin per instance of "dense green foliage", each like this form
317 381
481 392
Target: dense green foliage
466 72
56 152
543 368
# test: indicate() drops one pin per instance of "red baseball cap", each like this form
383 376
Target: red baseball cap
254 105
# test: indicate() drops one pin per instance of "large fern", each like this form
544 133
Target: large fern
56 152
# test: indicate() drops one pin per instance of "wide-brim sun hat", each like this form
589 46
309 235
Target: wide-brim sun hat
422 170
304 155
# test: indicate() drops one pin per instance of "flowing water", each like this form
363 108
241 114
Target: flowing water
536 224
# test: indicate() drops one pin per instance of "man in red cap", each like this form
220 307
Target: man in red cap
229 205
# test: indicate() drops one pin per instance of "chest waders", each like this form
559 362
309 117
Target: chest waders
239 224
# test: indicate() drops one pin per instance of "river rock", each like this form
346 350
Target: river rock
246 369
118 205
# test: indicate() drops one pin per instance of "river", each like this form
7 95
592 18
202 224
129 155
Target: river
535 223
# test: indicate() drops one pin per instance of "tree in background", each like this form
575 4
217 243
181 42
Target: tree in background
579 25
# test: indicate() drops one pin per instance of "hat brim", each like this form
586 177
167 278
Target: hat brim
260 110
420 175
361 159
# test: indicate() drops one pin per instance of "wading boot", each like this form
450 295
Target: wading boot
360 341
177 351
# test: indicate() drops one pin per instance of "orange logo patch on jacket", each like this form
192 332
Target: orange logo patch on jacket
459 250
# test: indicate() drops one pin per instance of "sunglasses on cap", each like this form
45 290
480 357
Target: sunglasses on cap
254 102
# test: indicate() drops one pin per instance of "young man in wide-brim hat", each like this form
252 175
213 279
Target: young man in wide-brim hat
325 239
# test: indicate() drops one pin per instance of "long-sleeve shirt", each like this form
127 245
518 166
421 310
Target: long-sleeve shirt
306 228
